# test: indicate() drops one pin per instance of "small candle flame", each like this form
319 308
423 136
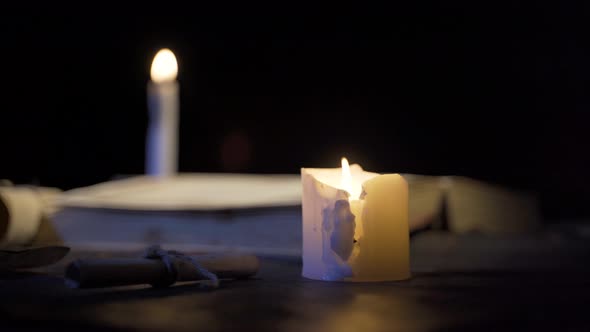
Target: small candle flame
164 66
346 176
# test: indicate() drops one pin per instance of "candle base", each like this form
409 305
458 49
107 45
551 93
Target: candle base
361 280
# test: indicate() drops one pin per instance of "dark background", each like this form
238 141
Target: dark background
498 92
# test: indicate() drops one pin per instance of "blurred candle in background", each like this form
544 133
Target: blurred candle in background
162 132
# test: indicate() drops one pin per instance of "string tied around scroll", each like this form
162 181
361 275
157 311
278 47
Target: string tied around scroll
169 256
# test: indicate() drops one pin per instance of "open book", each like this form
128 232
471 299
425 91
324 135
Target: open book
460 204
259 213
454 203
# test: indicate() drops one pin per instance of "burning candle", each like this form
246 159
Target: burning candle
162 133
355 225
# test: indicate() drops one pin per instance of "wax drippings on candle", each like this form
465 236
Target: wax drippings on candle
338 240
164 67
342 230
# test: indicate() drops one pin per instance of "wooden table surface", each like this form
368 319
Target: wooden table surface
538 282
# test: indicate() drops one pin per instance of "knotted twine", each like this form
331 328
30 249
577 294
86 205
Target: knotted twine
169 256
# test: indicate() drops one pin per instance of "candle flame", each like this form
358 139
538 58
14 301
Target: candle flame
164 66
346 176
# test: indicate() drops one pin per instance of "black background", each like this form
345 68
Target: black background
496 91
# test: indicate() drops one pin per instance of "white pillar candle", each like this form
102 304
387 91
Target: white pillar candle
355 225
162 133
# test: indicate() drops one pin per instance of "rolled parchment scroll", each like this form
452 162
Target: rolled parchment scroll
111 272
25 216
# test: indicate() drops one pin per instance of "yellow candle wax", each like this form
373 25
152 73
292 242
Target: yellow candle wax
384 246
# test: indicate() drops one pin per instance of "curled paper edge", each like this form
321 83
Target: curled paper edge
22 213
